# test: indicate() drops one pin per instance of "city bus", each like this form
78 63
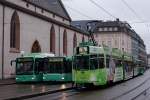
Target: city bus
58 69
29 67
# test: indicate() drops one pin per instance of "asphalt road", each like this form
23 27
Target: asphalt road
133 89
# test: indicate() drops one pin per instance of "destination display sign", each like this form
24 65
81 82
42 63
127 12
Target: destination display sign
90 50
55 59
24 59
83 50
95 50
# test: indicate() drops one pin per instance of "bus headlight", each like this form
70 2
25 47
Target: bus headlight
44 78
16 78
33 78
62 78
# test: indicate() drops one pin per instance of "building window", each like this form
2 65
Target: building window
42 10
27 5
36 47
105 29
115 28
15 32
110 28
52 39
65 43
53 15
74 41
83 38
100 29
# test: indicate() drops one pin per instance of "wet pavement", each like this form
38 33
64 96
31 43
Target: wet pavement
128 90
18 90
7 81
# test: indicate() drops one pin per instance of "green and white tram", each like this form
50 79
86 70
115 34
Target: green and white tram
29 68
58 69
97 65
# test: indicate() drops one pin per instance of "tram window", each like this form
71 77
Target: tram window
118 63
101 62
107 63
82 62
94 63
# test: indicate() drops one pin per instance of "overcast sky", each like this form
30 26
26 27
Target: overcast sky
132 11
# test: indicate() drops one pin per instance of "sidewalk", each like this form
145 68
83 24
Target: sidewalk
7 81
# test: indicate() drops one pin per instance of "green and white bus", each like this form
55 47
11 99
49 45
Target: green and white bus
58 69
29 68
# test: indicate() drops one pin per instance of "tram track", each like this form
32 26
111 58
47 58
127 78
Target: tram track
144 92
131 90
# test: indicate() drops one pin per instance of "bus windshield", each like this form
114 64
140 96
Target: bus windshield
82 62
54 66
24 66
39 65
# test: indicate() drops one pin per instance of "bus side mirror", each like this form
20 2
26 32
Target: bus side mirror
12 62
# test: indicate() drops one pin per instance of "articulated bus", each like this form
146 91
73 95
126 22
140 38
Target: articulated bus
29 68
101 65
58 69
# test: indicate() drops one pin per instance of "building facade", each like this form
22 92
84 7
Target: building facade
115 34
148 60
35 26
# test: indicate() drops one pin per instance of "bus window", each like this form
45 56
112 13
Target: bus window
39 64
24 67
53 67
94 63
68 66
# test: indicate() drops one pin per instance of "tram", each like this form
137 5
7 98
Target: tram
95 65
58 69
29 68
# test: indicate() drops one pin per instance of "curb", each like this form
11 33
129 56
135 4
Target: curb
38 94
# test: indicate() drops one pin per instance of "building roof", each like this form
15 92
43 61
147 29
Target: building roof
53 6
82 24
148 55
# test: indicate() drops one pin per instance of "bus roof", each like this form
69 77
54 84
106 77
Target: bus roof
63 57
39 55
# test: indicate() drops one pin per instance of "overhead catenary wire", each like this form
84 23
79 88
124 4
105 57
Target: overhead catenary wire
132 10
102 8
77 11
136 15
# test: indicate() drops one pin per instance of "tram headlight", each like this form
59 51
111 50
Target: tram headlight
17 78
62 78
